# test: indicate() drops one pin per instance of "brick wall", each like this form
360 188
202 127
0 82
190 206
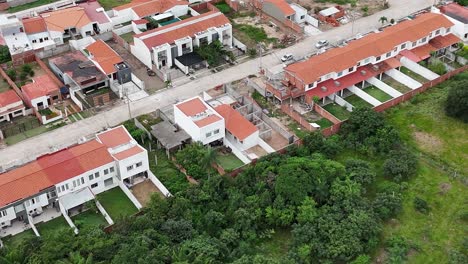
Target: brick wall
297 117
11 83
326 114
120 41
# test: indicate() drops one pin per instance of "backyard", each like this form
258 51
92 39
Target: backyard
396 85
323 123
89 218
50 227
4 86
377 93
109 4
337 110
357 101
413 75
14 241
128 37
228 161
116 203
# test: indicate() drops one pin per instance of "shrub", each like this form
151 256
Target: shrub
456 104
4 54
24 75
400 165
26 68
12 74
360 171
437 66
252 53
397 249
387 204
420 205
223 7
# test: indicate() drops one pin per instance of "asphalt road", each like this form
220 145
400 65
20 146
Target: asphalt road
28 149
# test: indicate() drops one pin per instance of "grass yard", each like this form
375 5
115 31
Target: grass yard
337 110
89 218
377 93
4 86
16 240
116 203
128 37
356 101
165 171
109 4
297 129
228 161
396 85
148 120
324 123
48 228
25 135
413 75
277 245
30 5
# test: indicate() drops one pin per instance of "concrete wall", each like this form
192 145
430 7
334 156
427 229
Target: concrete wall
403 79
141 52
273 11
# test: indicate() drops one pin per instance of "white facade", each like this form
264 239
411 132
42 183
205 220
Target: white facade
300 13
12 110
250 141
460 29
40 40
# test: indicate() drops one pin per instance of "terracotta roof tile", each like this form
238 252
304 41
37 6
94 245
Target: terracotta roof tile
283 6
9 97
375 44
60 20
114 137
456 11
236 124
207 120
41 86
185 28
34 25
192 107
441 42
105 56
156 6
128 152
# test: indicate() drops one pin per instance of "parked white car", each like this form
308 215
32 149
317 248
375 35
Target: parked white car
321 43
287 57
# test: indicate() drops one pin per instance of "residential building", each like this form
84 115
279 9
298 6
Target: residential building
11 106
100 20
199 120
139 9
13 34
63 180
458 15
161 47
333 71
109 62
281 10
77 71
41 92
69 23
239 131
38 35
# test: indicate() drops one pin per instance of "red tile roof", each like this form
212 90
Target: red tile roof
192 107
375 44
51 169
114 137
34 25
105 56
207 120
91 8
9 97
236 124
156 7
184 28
128 152
140 21
41 86
283 6
456 11
62 19
422 52
441 42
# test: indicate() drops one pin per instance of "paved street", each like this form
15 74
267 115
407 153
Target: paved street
70 134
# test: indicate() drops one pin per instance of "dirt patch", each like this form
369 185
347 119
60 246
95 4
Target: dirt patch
372 5
444 188
427 142
144 190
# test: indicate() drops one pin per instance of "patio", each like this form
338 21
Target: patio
116 203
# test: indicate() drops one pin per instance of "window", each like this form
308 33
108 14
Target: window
303 16
378 58
351 69
423 39
74 183
389 54
414 44
448 30
111 169
34 41
339 74
108 182
91 177
66 186
46 38
359 64
437 32
367 61
216 131
33 201
63 188
94 185
208 134
82 180
3 213
96 175
403 45
139 164
41 40
106 171
130 168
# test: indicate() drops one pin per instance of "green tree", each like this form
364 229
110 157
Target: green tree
360 171
383 19
5 55
214 53
456 104
401 165
76 258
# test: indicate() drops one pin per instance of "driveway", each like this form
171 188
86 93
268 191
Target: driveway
70 134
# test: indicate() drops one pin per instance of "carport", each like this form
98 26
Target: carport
190 61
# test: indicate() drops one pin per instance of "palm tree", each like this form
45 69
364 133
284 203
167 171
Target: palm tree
383 19
209 157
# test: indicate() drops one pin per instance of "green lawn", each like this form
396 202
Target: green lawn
228 161
89 218
117 203
49 227
30 5
109 4
14 241
356 101
377 93
397 85
297 129
324 123
338 111
413 75
128 37
4 86
22 136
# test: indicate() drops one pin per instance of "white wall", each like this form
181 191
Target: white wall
250 141
178 10
6 107
300 12
133 160
186 124
218 125
40 201
86 28
141 52
10 215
